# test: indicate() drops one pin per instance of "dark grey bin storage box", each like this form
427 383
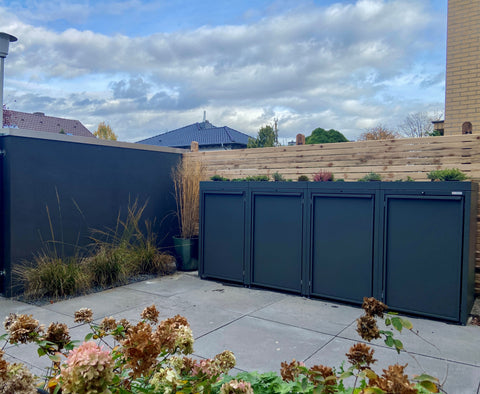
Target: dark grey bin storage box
343 260
429 232
409 244
277 235
222 230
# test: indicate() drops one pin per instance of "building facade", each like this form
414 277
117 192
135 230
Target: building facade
462 93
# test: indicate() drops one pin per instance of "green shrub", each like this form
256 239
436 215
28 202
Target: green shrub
303 178
257 178
448 174
277 177
219 178
371 177
409 179
50 276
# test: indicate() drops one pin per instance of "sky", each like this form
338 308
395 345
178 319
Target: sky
149 66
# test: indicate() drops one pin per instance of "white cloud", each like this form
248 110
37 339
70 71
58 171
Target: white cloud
330 67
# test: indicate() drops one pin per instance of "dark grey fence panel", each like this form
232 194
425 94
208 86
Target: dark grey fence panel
277 238
82 186
342 246
223 251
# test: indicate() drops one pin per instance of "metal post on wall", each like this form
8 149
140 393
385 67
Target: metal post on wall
5 40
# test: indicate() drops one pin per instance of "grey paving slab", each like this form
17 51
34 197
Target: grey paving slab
262 328
204 319
454 342
232 298
104 303
261 345
315 315
456 378
27 354
170 285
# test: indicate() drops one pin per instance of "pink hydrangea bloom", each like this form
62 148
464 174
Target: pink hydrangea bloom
89 369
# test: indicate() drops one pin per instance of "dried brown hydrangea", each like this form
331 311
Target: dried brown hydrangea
225 360
3 366
9 320
327 374
175 335
150 313
360 355
58 334
373 307
23 328
183 365
18 380
140 348
367 328
108 324
290 371
121 335
83 315
394 380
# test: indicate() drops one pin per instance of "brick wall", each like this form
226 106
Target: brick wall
462 97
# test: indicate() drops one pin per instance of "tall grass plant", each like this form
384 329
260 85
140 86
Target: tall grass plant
186 179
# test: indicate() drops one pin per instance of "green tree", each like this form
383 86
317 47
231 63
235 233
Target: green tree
105 132
322 136
266 137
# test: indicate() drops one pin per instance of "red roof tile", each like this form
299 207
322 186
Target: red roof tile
39 122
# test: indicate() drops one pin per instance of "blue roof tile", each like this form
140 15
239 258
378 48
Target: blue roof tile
204 133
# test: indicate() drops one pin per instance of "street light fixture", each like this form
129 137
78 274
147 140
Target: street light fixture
5 40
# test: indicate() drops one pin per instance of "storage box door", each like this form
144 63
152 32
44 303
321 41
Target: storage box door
423 254
223 236
342 246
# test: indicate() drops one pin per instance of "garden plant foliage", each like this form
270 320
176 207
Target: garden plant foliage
152 356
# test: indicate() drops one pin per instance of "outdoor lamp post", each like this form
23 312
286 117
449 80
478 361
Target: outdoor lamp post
5 40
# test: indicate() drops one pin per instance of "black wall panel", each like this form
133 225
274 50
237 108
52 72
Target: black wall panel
77 187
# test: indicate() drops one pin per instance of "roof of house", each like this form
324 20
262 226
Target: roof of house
38 121
205 133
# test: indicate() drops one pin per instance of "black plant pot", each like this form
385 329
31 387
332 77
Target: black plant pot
186 251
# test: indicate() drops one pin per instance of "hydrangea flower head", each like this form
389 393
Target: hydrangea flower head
89 369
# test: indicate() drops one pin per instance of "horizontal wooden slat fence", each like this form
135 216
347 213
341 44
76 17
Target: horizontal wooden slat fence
392 159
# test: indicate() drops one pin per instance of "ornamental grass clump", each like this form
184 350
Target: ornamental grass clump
113 258
52 276
186 181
